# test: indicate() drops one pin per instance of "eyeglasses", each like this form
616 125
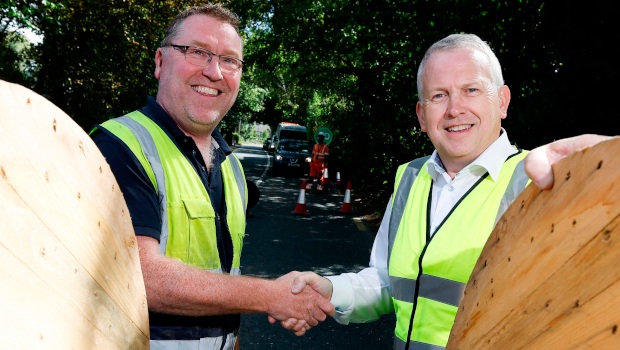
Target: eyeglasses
202 57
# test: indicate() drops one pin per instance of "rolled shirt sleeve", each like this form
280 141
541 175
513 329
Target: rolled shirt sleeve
364 296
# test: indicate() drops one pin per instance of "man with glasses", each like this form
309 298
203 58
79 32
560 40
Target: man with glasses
187 194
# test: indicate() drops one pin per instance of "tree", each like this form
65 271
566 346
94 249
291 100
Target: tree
96 57
352 65
348 65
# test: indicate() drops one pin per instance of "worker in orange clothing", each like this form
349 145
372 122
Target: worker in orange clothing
320 152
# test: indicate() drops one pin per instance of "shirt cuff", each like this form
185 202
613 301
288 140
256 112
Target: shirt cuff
343 297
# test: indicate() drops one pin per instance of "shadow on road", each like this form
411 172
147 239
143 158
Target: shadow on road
327 242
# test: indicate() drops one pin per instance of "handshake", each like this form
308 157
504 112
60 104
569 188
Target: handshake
298 308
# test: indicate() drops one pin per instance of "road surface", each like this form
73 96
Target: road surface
327 243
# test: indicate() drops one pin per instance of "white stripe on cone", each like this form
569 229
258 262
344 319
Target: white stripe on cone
325 176
300 208
302 196
346 206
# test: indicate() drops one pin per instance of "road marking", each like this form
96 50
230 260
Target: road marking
360 225
243 156
262 177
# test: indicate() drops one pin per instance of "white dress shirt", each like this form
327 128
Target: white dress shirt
364 296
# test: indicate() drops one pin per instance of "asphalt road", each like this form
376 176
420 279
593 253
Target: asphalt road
327 243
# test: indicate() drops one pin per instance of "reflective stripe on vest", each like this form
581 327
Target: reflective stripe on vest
150 151
399 344
517 184
214 343
318 152
440 290
431 287
400 199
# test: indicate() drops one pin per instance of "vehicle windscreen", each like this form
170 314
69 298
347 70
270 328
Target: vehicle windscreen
293 146
292 135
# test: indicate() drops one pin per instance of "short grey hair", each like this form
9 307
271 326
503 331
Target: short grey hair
215 11
459 41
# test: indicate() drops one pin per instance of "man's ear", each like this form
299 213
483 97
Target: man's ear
158 62
419 110
504 101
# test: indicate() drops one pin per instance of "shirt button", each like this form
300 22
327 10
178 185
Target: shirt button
194 153
451 188
203 168
185 140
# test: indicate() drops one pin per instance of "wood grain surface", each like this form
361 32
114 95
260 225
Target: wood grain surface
70 275
549 275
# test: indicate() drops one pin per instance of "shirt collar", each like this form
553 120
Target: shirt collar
492 159
154 111
217 137
434 166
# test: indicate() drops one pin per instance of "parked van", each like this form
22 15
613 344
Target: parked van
288 131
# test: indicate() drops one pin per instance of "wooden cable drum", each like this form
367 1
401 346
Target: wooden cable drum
70 274
549 275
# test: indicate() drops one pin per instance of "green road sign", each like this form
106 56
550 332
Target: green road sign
329 136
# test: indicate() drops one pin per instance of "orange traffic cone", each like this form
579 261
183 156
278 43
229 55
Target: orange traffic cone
338 177
346 206
300 209
325 178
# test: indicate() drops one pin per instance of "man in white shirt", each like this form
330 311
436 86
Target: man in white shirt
462 101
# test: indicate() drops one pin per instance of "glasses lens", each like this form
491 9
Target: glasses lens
202 58
229 64
198 57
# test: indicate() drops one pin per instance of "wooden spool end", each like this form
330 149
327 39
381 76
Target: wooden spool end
70 272
549 276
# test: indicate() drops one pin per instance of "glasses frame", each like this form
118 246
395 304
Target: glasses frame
185 48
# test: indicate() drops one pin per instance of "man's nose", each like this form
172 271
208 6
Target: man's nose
455 105
212 70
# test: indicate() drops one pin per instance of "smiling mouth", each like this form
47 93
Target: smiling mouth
205 90
459 128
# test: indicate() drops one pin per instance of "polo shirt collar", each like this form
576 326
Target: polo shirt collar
491 160
154 111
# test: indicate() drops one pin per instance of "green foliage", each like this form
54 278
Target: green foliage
15 65
348 65
247 132
250 101
96 58
352 66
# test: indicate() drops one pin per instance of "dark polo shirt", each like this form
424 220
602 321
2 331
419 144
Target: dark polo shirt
143 204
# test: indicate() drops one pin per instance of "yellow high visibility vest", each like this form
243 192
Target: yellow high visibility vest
188 219
428 274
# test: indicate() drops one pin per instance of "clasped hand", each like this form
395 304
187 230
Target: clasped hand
299 308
